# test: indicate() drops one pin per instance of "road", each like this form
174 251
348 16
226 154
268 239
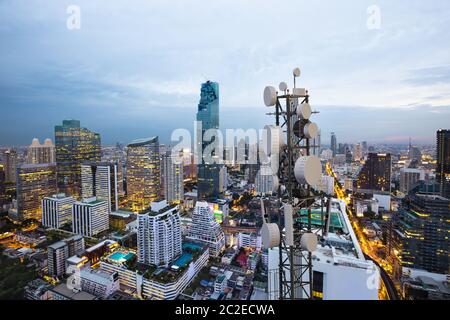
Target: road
390 287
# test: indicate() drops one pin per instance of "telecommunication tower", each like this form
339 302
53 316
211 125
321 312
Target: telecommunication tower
298 176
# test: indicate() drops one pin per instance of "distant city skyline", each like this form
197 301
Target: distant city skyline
127 73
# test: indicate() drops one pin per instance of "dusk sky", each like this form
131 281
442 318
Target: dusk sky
134 68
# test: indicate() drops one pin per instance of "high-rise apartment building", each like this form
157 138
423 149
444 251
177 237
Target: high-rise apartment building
34 182
57 210
100 180
41 153
206 229
172 178
74 145
421 235
10 165
90 217
143 173
443 161
159 234
375 175
265 180
208 184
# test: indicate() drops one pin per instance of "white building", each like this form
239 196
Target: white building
90 217
159 234
60 251
206 229
41 153
264 180
146 286
223 179
249 240
340 270
57 210
173 179
101 181
99 283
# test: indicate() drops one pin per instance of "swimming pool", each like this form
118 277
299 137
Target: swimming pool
192 246
183 260
121 256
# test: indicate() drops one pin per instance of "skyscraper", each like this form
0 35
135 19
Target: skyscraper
333 143
173 179
57 210
409 178
60 251
206 229
74 145
90 217
422 224
34 182
41 153
208 184
159 234
375 175
101 180
443 161
143 173
10 165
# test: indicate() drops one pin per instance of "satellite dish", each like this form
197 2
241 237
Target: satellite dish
270 234
296 72
308 241
311 130
308 169
283 86
270 96
304 111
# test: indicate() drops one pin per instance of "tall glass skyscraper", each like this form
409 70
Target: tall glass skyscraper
74 145
143 173
443 161
208 184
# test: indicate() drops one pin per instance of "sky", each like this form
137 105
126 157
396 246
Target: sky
376 70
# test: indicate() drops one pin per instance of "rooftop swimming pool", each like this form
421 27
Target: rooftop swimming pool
183 260
121 256
192 246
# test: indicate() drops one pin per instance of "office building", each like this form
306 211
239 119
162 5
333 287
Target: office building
208 181
90 217
333 144
143 173
57 210
34 182
173 179
421 232
409 177
159 234
100 180
41 153
10 165
206 229
443 162
375 175
74 145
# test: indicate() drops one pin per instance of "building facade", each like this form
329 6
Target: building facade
208 180
159 234
100 180
375 175
206 229
34 182
90 217
74 145
57 210
41 153
143 173
443 162
173 179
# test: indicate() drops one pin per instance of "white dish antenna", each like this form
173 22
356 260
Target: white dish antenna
270 96
311 130
296 72
308 242
270 234
304 111
308 169
283 86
